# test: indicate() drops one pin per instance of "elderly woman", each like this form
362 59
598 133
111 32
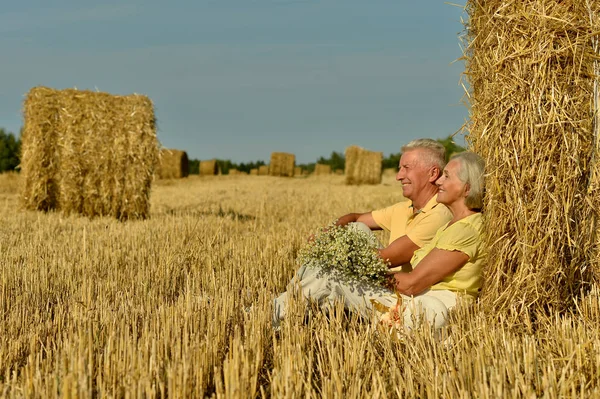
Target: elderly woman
443 270
450 265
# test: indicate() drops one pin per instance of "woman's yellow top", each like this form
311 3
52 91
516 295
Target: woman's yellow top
465 236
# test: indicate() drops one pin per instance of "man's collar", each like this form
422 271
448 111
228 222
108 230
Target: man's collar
432 203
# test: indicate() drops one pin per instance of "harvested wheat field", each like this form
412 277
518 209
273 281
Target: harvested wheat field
179 305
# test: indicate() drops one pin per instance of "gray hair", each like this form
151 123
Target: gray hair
434 153
472 173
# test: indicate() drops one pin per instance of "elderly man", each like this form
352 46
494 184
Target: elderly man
411 224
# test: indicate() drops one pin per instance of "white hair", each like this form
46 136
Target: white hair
472 173
434 153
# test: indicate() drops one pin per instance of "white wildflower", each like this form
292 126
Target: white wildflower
348 255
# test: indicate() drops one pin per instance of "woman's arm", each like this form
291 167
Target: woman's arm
399 252
438 264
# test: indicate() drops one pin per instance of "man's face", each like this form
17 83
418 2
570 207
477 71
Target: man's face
413 174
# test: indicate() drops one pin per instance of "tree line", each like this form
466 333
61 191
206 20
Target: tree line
10 152
336 160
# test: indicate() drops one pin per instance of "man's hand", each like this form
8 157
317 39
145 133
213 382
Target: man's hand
366 218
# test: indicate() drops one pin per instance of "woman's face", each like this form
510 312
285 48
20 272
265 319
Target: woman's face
451 188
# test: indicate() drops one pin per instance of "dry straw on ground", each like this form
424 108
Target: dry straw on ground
282 164
363 166
533 70
88 153
322 169
209 168
173 164
180 307
263 170
389 172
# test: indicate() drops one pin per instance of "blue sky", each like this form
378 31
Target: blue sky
239 79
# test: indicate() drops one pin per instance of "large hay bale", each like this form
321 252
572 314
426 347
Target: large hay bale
282 164
363 166
322 169
254 171
173 164
533 69
88 153
263 170
209 168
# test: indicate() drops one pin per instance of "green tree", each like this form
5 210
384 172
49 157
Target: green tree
194 165
309 167
10 151
336 161
450 146
391 161
245 167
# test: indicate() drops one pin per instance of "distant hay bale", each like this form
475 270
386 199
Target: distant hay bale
88 153
533 71
390 172
173 164
297 171
209 168
282 164
263 170
339 172
234 172
322 169
363 166
254 171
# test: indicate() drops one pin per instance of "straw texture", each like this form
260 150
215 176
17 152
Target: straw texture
532 66
88 153
174 164
282 164
363 166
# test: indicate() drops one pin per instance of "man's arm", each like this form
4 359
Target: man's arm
438 264
366 218
399 252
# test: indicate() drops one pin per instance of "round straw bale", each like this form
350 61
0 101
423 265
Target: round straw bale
263 170
282 164
173 164
363 166
209 168
322 169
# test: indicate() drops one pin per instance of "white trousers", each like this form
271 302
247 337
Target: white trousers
319 286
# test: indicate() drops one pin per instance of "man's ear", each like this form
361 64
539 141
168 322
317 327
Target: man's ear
434 174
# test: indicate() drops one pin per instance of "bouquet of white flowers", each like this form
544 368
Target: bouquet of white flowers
348 255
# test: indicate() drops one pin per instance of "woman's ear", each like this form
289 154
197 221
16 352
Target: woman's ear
467 189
